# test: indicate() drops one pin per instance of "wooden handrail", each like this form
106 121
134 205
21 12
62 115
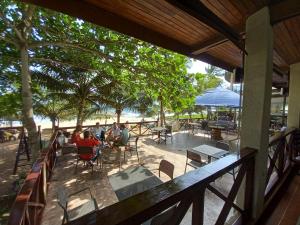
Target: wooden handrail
33 186
12 128
184 190
108 124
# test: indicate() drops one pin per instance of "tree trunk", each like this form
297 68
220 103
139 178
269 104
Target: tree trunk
161 112
80 113
118 112
27 108
53 123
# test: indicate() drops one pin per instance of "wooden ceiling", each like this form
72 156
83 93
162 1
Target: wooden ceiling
208 30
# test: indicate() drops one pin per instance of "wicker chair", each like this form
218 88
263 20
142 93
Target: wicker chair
195 162
73 214
166 167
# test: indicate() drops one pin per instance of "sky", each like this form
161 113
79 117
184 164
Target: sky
197 66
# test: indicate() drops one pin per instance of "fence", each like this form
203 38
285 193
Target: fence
31 199
180 193
137 128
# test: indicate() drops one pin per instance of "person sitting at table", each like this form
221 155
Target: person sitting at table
76 134
122 140
88 141
113 132
98 131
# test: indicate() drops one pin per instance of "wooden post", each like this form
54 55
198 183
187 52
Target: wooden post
198 208
140 128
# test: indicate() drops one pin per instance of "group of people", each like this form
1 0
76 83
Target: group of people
116 136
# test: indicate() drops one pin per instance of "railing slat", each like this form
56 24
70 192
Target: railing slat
143 206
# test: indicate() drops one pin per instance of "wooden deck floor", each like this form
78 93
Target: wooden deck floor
287 211
150 156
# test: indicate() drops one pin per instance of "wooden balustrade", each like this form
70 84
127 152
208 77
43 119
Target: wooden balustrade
181 193
279 162
135 127
31 199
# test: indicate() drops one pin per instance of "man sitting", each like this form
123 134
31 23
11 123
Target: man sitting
98 132
122 140
88 141
113 133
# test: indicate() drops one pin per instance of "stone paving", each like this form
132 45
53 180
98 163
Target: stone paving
150 154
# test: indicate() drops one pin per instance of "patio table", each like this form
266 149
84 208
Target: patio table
210 151
216 132
132 181
158 130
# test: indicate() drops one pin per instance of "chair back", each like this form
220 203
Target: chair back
193 156
136 140
166 167
222 145
85 150
168 129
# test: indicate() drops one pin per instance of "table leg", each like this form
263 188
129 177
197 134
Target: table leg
209 159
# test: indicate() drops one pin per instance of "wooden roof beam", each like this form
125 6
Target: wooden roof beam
199 11
207 45
284 10
207 58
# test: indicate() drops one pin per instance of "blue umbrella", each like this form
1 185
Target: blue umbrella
219 97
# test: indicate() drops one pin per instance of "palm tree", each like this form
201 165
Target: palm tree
78 87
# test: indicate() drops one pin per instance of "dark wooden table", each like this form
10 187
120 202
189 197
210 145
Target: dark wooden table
132 181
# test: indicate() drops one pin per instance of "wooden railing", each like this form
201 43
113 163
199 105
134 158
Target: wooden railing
181 193
279 162
31 199
134 127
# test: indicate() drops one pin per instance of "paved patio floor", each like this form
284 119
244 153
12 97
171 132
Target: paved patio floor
150 156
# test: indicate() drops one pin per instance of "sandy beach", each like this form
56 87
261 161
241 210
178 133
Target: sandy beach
130 118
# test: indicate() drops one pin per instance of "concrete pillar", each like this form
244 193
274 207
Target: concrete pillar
293 119
257 97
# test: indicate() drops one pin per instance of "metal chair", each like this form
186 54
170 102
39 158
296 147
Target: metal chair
166 167
73 214
205 128
225 146
195 162
168 133
110 157
130 148
85 150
